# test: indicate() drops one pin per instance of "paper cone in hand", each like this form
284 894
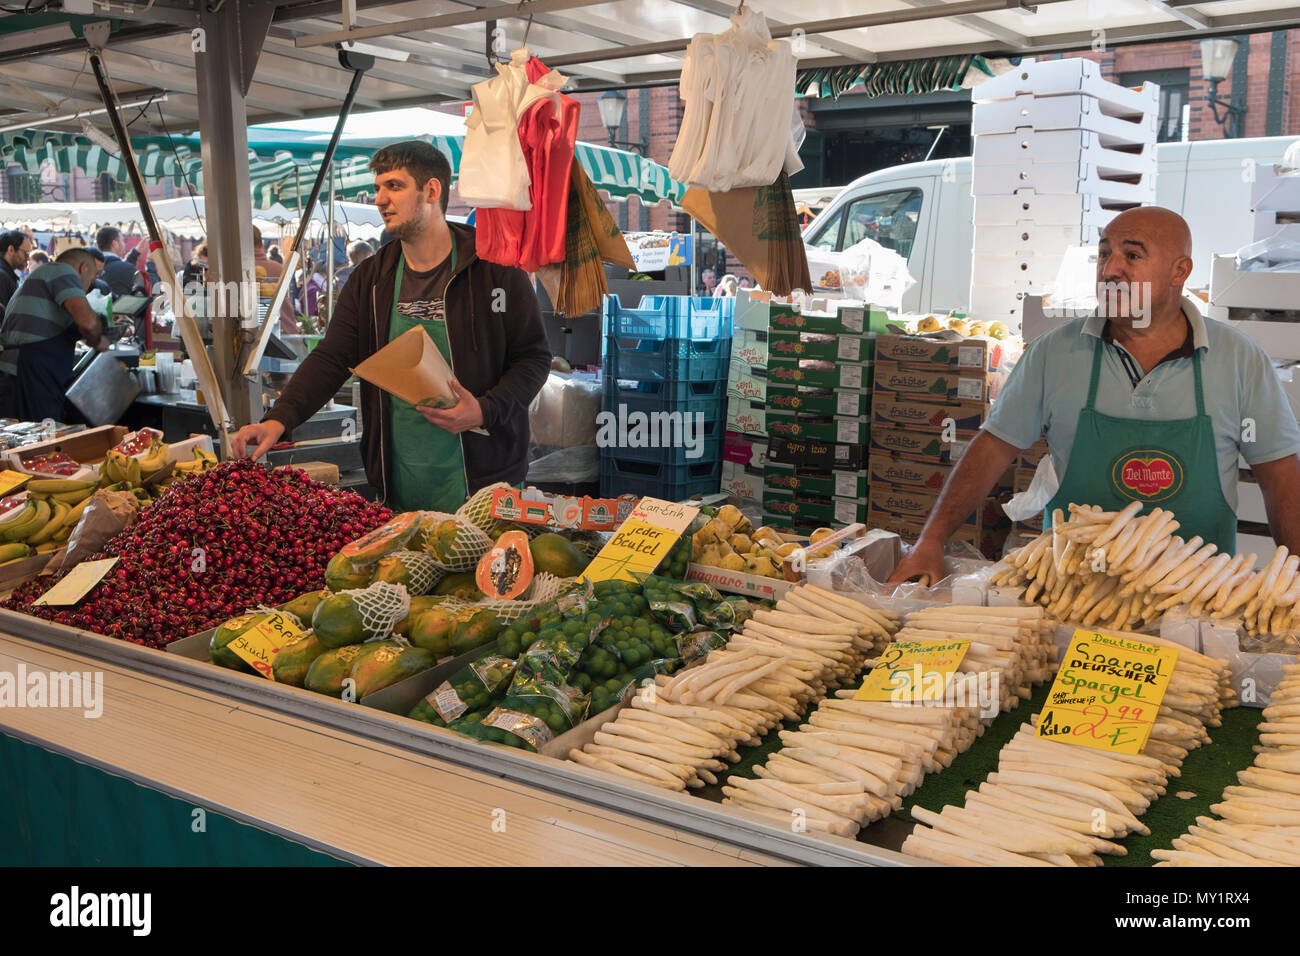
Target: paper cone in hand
412 368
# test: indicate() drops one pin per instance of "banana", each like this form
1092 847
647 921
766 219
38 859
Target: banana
73 516
38 496
62 535
14 552
60 512
47 548
133 472
57 485
157 459
72 497
23 516
18 530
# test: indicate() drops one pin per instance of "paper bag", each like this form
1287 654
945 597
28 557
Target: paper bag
412 368
108 514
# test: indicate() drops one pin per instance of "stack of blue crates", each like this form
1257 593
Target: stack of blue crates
668 355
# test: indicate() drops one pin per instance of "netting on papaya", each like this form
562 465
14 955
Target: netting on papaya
378 608
455 544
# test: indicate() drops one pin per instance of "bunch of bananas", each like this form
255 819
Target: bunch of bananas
203 461
53 508
142 476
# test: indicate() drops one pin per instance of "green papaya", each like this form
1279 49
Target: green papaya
294 661
227 632
440 539
342 575
432 629
304 605
480 628
419 604
386 665
328 672
462 586
337 621
555 554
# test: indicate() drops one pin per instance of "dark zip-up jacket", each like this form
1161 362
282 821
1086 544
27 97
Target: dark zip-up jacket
499 352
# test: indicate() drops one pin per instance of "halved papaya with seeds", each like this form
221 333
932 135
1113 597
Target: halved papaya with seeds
505 572
385 539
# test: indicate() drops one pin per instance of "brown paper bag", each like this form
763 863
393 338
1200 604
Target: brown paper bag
759 225
108 514
610 243
412 368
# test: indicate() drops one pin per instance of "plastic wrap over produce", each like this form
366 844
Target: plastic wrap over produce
563 415
866 271
866 564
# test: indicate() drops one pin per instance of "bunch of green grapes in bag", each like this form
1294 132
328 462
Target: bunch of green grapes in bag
675 561
622 647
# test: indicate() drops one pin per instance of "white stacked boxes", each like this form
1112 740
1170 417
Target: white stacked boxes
1058 152
1275 202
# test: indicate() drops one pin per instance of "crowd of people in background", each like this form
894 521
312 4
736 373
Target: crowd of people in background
728 286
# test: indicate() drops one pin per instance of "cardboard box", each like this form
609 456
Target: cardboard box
89 447
1022 478
745 450
826 511
935 385
1035 237
904 472
845 402
846 319
749 348
1028 147
826 484
746 382
988 540
746 417
822 427
741 481
916 445
755 310
832 348
736 582
1030 456
953 351
1258 290
964 417
814 373
1024 204
1055 77
1086 174
1068 111
554 511
916 505
829 456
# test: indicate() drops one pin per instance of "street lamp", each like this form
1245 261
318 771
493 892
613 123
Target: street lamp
1216 62
612 105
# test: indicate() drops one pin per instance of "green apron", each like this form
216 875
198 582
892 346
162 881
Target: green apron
1171 464
428 463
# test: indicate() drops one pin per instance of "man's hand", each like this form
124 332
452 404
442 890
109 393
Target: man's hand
925 558
260 436
464 415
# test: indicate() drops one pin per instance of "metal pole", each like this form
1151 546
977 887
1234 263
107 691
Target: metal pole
358 63
96 34
329 254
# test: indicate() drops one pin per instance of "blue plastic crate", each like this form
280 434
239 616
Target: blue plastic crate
709 446
668 360
664 395
712 405
620 476
670 317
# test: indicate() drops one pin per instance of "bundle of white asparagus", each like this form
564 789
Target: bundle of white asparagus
1119 568
1259 821
1013 642
784 659
1056 804
855 760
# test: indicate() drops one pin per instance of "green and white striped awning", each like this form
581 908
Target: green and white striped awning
275 175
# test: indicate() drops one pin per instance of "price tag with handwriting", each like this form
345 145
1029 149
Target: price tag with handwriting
260 644
11 480
913 671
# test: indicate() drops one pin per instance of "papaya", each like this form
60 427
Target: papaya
480 628
337 621
342 575
440 540
328 672
295 659
227 632
388 664
304 605
385 539
505 572
462 586
419 604
555 554
432 631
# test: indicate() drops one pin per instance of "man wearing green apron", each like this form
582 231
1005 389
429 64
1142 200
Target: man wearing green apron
482 316
1143 401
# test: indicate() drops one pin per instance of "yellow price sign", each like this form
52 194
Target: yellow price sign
11 480
642 541
260 644
913 671
1107 693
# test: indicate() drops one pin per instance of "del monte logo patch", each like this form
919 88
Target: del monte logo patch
1147 475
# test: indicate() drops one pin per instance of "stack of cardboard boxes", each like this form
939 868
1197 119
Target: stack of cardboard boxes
1026 466
931 397
1059 151
799 410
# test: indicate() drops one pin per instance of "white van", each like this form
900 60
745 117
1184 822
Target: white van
925 211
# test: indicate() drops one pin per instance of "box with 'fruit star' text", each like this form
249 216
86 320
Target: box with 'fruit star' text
951 351
894 380
954 419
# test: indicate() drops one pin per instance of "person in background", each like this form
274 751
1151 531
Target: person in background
268 271
709 282
118 276
40 331
273 253
38 258
358 253
15 247
196 270
315 287
747 283
726 288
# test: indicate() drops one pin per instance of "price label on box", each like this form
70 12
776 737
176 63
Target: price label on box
851 376
642 541
1107 693
913 671
849 348
260 644
11 480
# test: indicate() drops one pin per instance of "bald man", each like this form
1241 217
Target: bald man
1142 401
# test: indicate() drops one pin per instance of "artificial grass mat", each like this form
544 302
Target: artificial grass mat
1205 773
